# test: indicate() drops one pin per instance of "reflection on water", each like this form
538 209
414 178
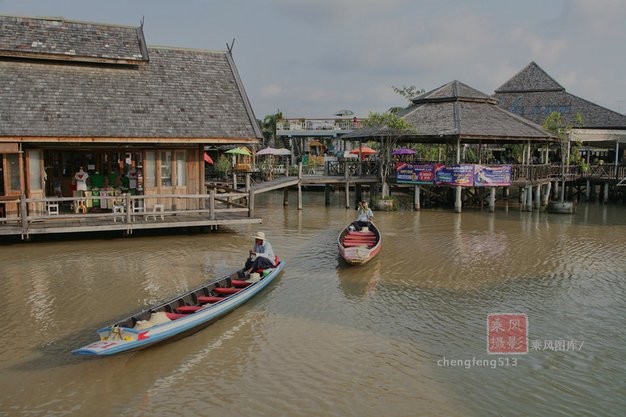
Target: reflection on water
327 338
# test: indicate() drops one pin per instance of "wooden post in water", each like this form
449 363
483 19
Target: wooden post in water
286 196
416 198
492 199
458 201
346 176
588 190
555 196
546 194
251 203
523 199
327 195
538 196
606 193
212 203
299 185
247 181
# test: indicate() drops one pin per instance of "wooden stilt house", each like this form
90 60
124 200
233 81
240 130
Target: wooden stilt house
90 95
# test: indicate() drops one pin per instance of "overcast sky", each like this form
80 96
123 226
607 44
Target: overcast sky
311 58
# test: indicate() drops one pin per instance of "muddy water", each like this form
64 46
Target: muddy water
326 339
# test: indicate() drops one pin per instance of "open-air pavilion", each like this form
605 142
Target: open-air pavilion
456 114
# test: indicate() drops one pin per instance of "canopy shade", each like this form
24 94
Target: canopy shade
365 150
404 151
274 151
239 151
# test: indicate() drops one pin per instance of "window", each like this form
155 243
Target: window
181 172
150 171
34 170
13 162
166 168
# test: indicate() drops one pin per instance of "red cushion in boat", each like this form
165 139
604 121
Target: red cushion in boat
188 309
363 244
239 284
227 290
203 299
361 234
174 316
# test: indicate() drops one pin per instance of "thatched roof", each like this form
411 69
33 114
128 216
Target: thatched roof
533 94
458 111
178 95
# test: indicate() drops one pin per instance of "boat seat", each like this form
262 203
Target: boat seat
363 244
361 234
227 291
238 283
174 316
188 309
209 299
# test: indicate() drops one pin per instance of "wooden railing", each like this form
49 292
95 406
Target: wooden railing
125 207
354 168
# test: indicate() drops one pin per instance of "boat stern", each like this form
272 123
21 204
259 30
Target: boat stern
114 340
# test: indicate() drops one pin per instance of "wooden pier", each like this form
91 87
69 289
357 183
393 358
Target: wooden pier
127 213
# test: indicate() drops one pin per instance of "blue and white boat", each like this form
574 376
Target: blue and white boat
179 316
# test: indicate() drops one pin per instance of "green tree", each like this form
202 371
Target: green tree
408 92
557 126
389 130
268 127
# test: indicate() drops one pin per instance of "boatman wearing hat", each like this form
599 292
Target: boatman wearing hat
364 214
261 255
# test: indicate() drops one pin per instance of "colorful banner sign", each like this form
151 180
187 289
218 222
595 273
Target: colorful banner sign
462 175
415 173
492 175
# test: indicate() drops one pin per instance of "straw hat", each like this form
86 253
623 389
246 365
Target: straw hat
260 236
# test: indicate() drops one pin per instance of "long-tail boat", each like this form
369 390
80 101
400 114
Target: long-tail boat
358 245
180 316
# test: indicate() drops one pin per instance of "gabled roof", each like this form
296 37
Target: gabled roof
458 111
531 78
60 39
178 95
536 101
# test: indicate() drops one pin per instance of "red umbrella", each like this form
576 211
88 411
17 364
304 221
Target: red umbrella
365 150
207 158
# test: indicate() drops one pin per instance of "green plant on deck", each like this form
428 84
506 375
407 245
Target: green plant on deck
393 199
222 165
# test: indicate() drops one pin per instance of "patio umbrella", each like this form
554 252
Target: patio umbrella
404 151
267 151
365 150
283 152
239 151
207 158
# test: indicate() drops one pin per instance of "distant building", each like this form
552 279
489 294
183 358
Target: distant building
95 95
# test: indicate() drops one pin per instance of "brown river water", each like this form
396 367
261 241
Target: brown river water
325 338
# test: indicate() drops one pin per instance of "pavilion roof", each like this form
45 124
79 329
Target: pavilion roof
458 111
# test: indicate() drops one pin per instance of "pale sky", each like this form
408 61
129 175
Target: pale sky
312 58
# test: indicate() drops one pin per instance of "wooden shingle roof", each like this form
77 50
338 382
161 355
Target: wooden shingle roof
530 78
533 94
179 95
60 39
458 111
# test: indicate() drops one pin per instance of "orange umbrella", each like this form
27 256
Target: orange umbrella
207 158
365 150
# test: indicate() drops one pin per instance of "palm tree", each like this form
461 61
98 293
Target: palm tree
268 128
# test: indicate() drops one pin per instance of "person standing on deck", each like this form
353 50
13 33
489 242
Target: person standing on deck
261 255
364 214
